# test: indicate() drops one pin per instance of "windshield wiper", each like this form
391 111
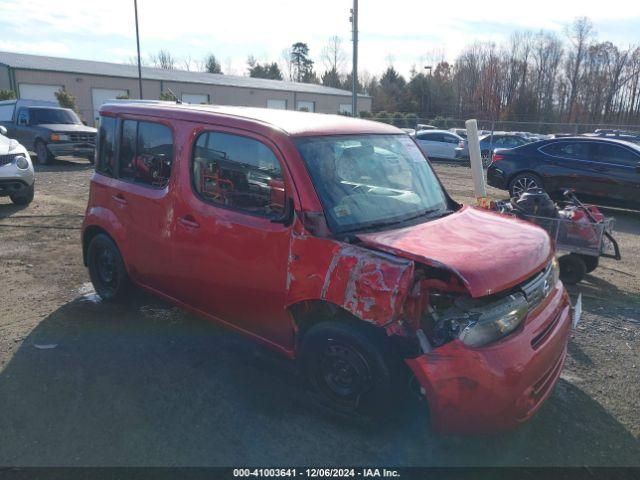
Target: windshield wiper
388 223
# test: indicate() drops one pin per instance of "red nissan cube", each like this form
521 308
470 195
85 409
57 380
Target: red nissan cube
332 241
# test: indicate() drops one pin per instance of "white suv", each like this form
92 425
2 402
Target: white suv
16 171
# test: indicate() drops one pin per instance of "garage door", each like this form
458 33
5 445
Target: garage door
32 91
100 96
196 98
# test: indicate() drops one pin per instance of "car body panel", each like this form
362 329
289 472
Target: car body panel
467 243
250 273
14 180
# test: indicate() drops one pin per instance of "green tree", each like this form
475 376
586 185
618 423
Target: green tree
7 94
301 63
168 96
211 64
411 120
365 114
66 100
267 70
331 78
398 120
382 116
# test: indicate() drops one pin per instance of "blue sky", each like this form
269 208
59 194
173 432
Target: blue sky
403 32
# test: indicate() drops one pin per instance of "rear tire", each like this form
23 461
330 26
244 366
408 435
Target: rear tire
107 270
44 157
24 198
572 268
350 369
524 182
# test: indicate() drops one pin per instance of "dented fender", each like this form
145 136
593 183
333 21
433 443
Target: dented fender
371 285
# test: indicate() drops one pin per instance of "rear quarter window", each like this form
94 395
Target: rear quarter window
106 151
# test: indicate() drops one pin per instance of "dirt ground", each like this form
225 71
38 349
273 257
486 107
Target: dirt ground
84 383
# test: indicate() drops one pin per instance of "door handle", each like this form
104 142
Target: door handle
188 221
118 198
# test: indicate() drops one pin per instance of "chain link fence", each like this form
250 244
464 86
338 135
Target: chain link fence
413 121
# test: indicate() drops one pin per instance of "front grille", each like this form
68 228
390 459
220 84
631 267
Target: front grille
83 137
536 289
7 159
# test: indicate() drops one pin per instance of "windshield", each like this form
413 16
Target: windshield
41 116
366 181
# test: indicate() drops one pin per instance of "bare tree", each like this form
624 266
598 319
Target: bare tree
163 59
333 56
580 34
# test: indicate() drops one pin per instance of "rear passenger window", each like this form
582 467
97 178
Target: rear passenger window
146 153
578 150
238 172
608 153
106 151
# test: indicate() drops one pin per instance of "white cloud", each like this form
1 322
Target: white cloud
40 48
264 28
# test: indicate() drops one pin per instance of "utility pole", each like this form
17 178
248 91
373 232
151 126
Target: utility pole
135 6
354 72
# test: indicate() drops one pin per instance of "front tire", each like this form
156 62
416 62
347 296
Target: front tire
26 197
107 270
590 262
44 157
350 370
524 182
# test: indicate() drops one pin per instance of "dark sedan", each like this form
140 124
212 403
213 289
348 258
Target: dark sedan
601 170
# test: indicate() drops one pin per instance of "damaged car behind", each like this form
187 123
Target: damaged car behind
331 240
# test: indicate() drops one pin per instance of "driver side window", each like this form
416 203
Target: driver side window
238 172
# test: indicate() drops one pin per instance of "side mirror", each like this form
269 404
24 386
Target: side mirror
3 130
22 121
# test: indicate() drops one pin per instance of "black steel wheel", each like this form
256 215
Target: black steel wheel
524 182
572 268
349 369
106 269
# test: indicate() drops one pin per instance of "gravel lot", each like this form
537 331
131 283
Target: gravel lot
84 383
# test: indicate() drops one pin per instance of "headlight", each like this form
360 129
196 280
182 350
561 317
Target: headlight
21 162
494 321
477 322
59 137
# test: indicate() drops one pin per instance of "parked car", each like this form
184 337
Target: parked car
438 143
17 180
47 130
424 126
461 132
600 170
490 142
331 240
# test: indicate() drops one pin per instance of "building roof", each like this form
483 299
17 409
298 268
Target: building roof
292 122
90 67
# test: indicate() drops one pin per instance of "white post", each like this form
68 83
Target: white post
477 171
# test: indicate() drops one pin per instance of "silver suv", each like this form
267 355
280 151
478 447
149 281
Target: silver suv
16 171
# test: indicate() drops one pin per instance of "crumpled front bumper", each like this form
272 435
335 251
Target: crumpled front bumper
497 387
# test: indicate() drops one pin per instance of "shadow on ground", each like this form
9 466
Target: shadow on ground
145 384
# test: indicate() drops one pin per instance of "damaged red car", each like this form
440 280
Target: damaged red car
331 240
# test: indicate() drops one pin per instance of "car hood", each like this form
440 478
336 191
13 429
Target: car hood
8 145
489 252
67 128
